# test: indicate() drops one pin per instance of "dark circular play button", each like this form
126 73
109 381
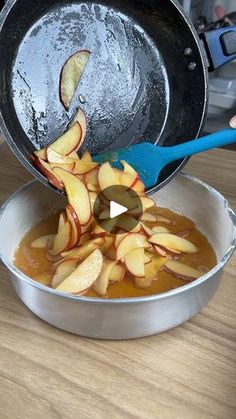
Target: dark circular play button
118 209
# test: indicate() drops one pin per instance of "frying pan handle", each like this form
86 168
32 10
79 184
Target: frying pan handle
220 45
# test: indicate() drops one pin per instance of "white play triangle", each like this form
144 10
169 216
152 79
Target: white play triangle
116 209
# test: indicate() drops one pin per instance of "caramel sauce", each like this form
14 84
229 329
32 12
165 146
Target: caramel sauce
33 262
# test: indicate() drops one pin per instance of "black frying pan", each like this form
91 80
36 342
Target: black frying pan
146 78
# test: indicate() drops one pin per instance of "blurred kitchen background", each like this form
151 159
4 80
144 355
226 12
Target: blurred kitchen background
207 15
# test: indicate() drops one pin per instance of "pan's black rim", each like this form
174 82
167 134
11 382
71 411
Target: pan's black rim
3 15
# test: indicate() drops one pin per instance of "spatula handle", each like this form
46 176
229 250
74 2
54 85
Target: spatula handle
207 142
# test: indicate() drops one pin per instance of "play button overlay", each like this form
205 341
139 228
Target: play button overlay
117 209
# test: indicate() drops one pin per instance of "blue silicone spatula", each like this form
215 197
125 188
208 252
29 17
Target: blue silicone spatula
148 160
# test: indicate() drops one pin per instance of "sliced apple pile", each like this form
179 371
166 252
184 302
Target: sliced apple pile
86 255
71 74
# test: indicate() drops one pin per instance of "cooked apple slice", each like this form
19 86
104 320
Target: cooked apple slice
82 167
120 236
71 74
170 241
160 229
101 284
146 230
147 203
61 241
134 262
86 156
41 242
55 157
74 155
147 259
128 169
64 269
91 177
75 225
42 154
181 271
129 243
46 170
81 118
84 276
82 252
161 251
77 193
148 217
117 274
139 187
62 220
128 223
164 220
151 272
45 278
107 176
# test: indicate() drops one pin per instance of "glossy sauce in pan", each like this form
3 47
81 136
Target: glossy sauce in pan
33 261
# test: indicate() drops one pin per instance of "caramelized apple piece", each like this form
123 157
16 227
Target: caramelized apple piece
129 243
181 271
134 262
77 193
64 269
41 242
84 276
71 74
170 241
101 284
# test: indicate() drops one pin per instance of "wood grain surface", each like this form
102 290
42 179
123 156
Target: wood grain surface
188 372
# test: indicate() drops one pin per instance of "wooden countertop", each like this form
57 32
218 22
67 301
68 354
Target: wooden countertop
187 372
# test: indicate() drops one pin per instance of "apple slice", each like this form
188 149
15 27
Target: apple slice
147 203
139 187
62 220
151 272
146 230
128 223
170 241
164 220
64 269
117 274
82 167
75 225
147 259
181 271
81 118
82 252
42 154
128 169
41 242
61 241
71 74
160 229
129 176
86 156
84 276
107 176
55 157
101 284
129 243
77 193
134 262
161 251
74 155
46 170
148 217
91 177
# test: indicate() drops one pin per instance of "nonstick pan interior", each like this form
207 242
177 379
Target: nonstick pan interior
137 84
